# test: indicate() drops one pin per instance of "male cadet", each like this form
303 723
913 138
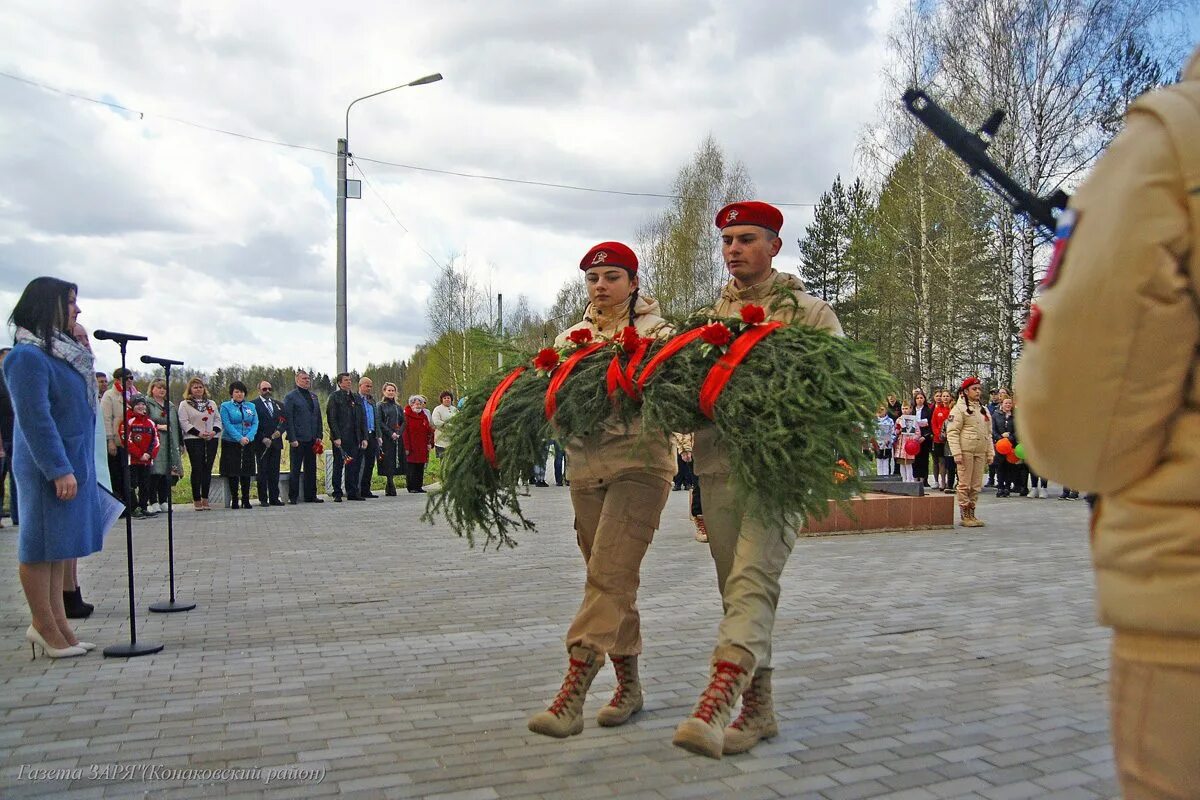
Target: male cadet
1119 312
269 445
749 554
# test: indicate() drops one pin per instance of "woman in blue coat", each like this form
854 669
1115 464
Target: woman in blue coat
239 423
64 512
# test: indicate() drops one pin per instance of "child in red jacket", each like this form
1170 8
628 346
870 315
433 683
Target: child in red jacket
142 443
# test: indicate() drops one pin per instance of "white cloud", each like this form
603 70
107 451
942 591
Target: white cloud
222 248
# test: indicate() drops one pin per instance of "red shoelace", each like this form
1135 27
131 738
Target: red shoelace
570 684
749 707
621 667
720 690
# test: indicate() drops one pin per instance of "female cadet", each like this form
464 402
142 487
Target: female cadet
620 481
969 438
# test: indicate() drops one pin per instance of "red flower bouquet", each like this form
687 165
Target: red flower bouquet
752 314
629 338
581 336
546 359
716 334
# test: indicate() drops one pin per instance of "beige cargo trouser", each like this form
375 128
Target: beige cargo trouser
1155 716
970 479
614 524
749 556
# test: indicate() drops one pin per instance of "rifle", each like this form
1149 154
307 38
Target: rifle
972 149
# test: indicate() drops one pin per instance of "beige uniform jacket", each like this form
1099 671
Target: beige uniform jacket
111 413
1117 347
619 447
969 434
784 298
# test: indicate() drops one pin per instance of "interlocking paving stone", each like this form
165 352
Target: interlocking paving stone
356 640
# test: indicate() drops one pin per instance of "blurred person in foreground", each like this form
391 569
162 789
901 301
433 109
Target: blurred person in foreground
1118 311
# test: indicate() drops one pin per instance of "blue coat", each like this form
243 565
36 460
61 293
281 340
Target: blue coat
55 435
238 420
303 416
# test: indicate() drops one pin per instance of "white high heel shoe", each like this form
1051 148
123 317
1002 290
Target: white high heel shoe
34 638
87 646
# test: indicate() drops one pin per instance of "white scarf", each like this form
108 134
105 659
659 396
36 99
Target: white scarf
70 351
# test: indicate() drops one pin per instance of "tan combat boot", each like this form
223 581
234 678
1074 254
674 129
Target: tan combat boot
757 720
704 731
564 717
970 520
627 699
701 528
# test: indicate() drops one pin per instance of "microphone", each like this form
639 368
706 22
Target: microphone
162 362
113 336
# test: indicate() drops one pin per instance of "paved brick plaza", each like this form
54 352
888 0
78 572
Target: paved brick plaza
380 653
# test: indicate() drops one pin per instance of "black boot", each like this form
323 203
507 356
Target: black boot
74 605
390 491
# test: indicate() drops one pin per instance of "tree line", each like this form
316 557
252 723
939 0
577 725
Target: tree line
914 255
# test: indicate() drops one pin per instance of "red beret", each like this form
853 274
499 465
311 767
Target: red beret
968 383
610 254
751 212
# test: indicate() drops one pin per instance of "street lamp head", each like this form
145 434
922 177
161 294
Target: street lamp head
434 78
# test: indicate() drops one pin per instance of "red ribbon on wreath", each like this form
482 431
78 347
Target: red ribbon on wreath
564 371
672 347
489 411
623 378
722 371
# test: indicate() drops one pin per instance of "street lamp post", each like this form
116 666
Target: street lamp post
343 151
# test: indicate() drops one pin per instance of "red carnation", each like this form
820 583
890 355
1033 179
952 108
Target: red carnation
581 336
630 339
716 334
546 359
752 314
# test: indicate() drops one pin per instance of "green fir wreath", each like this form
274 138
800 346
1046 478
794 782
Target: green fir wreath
791 420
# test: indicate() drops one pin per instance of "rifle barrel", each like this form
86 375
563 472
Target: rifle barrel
972 149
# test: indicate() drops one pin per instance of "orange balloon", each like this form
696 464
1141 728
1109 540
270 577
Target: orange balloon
1012 458
1004 447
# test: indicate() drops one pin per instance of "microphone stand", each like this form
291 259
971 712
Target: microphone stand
134 648
171 605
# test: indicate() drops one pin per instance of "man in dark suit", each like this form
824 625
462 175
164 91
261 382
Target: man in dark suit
374 442
268 446
348 430
302 423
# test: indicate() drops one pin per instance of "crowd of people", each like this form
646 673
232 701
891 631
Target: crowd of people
243 440
909 440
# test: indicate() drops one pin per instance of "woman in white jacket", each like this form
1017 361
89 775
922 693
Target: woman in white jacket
441 415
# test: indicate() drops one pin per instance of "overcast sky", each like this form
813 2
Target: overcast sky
222 249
